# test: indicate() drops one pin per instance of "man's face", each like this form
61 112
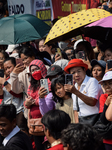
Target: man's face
78 74
8 67
6 126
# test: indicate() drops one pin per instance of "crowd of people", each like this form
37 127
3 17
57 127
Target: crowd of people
56 96
67 113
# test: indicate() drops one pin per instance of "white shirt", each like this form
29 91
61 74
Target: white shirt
16 101
14 131
90 88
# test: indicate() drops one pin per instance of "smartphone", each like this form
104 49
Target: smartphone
69 79
109 62
19 61
58 52
44 83
2 73
81 54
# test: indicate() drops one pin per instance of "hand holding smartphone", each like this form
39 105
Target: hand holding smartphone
69 79
19 61
59 52
44 83
81 54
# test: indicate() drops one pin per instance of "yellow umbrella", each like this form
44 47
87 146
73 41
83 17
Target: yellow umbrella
70 26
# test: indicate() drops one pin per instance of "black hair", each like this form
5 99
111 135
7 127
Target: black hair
12 59
44 38
55 121
68 48
59 80
9 148
89 50
109 49
102 46
4 54
8 111
27 51
34 84
17 49
53 45
73 51
64 55
43 55
80 137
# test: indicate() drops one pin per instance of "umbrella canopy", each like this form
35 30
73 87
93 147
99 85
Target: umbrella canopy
100 30
21 28
70 26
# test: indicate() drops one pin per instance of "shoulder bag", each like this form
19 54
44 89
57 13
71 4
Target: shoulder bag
91 119
35 127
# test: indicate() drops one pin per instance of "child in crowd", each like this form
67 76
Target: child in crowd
63 99
38 71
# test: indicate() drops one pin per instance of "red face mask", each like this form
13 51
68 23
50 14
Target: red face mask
37 75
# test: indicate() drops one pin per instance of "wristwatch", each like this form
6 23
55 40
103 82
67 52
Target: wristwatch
5 83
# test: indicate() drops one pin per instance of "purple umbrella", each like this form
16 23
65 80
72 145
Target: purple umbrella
100 30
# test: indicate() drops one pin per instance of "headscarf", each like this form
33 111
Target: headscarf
43 69
41 65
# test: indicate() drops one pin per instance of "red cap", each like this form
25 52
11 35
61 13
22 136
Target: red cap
75 63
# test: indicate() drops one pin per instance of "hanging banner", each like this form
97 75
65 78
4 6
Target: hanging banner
43 10
20 7
63 8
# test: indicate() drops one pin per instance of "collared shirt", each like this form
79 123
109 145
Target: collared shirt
14 131
90 88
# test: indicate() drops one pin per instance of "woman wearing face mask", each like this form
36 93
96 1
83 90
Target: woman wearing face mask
38 71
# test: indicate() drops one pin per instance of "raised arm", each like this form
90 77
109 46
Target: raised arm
45 103
108 113
17 77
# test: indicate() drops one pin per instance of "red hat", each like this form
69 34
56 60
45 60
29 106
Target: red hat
75 63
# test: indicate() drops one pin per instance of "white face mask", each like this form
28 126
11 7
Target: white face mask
29 79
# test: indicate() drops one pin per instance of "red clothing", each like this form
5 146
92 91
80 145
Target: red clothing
34 109
101 107
1 99
102 100
57 147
